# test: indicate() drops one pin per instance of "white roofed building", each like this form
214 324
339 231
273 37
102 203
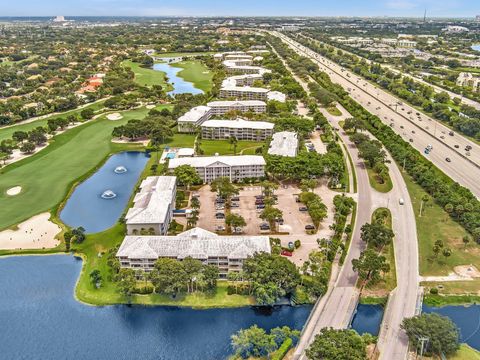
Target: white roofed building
239 128
222 107
241 80
284 143
153 206
277 96
193 118
226 252
236 168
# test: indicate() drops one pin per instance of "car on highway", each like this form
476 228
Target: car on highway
456 146
401 201
413 131
448 159
411 140
451 133
442 137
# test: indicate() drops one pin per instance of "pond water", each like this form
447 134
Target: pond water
467 319
88 208
367 319
40 319
179 84
476 47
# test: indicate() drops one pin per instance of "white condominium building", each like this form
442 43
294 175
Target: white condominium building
222 107
221 56
153 206
244 92
240 129
226 252
277 96
234 167
242 80
193 118
245 69
284 143
238 62
406 43
468 80
238 57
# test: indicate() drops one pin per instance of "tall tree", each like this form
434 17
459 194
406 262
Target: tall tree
369 266
332 344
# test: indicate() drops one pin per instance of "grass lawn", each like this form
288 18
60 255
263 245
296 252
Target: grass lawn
6 133
466 353
48 175
223 147
389 282
435 224
147 77
196 73
333 110
377 184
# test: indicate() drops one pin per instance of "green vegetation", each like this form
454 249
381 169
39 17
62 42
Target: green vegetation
333 110
182 54
332 344
444 300
435 224
196 73
378 183
146 76
466 353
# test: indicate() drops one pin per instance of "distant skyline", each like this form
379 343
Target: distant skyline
392 8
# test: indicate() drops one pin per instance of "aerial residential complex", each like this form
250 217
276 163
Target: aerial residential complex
242 80
222 107
225 252
284 143
193 118
244 92
153 206
236 168
469 80
239 128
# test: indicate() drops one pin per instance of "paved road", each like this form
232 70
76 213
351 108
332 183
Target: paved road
337 306
463 169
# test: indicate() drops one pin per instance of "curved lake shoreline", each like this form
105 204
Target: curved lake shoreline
180 86
41 319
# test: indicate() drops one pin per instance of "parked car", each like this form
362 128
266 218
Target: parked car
456 146
220 215
297 199
219 207
401 201
448 159
264 226
286 253
261 206
220 228
235 205
451 133
309 227
258 202
303 208
235 198
280 221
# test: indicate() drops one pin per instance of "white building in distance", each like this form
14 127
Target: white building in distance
193 118
468 80
223 107
236 168
284 143
240 129
153 206
241 80
226 252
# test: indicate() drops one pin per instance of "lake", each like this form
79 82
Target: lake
40 319
367 319
467 319
86 207
476 47
179 84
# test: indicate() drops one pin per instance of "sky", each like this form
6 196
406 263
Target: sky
415 8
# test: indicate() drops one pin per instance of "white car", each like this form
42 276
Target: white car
401 201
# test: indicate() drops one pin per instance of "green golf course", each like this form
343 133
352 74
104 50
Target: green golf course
196 73
47 176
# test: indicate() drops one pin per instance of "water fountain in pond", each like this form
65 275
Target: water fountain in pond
120 170
108 194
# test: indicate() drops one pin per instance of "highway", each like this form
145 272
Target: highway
418 129
336 308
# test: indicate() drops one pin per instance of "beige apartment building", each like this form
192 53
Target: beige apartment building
239 128
223 107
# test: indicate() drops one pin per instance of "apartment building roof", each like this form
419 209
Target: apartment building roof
205 161
197 243
151 202
194 114
277 96
284 143
239 124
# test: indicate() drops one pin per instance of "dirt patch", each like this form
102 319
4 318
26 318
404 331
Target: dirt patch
14 191
114 116
467 271
150 106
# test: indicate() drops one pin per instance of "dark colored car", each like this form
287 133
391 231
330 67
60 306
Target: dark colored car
261 206
220 215
264 226
309 227
303 208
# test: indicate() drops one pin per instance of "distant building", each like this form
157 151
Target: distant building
455 29
469 80
406 43
236 168
59 18
241 80
225 252
223 107
153 206
243 92
240 129
188 122
284 143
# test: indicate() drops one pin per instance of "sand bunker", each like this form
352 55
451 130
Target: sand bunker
150 106
114 116
467 271
14 191
35 233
